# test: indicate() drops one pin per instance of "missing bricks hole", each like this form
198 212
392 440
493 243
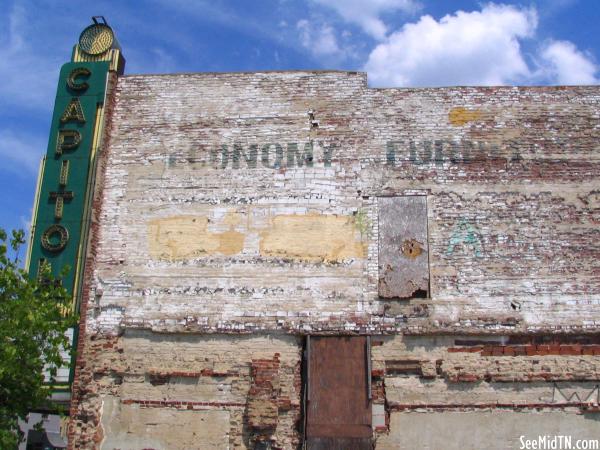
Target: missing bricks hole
515 305
419 293
311 118
158 379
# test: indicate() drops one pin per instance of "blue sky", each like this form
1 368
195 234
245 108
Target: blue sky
397 42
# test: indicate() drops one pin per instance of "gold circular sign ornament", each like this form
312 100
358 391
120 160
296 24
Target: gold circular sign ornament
55 238
96 39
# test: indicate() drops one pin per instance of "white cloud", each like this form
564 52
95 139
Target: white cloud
564 64
28 75
25 222
466 48
162 60
366 13
16 20
319 39
20 153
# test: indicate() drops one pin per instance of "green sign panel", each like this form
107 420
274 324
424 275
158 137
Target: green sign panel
66 172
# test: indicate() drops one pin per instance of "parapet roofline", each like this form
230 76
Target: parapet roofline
364 75
255 72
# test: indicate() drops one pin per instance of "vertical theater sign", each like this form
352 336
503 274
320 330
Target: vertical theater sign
65 186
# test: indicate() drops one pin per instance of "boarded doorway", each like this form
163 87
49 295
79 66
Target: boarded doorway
338 398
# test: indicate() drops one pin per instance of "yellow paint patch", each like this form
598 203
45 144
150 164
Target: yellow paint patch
312 238
231 242
460 116
232 218
185 237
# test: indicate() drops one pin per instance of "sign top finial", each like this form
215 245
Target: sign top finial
97 38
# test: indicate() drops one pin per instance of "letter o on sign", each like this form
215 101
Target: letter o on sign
55 238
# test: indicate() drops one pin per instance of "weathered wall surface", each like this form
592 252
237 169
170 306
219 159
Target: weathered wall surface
239 212
169 391
131 427
458 392
190 391
210 223
497 430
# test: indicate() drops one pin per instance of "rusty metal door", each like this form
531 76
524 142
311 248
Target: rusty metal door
338 407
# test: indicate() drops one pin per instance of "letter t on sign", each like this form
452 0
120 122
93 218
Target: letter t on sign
59 198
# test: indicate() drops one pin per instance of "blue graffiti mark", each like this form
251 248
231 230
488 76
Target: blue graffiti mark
465 234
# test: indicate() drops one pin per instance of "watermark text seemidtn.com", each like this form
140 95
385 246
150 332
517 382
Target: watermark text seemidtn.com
558 442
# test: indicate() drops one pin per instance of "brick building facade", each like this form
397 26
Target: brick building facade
279 259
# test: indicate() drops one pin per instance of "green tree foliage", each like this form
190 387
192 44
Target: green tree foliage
34 316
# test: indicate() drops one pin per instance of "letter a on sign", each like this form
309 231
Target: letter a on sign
73 112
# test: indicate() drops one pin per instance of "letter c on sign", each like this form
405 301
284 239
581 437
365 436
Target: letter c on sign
72 79
55 238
